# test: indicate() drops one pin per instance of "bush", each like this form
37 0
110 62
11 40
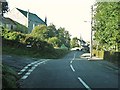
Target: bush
9 77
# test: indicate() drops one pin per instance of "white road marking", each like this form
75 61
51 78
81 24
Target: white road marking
86 86
33 68
72 68
71 61
35 64
30 70
28 73
23 70
26 67
74 56
24 77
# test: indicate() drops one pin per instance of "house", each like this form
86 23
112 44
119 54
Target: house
26 18
8 23
12 25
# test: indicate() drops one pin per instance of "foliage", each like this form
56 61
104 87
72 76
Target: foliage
74 42
54 41
106 28
9 77
52 35
64 37
18 39
12 35
41 44
40 32
52 31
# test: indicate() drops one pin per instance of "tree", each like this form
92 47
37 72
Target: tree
54 41
64 37
106 25
74 42
40 32
52 31
52 35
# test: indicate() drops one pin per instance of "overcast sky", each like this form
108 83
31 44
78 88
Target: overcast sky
69 14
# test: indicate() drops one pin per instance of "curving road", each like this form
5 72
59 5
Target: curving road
69 72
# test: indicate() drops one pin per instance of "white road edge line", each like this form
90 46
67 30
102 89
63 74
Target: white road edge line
72 68
86 86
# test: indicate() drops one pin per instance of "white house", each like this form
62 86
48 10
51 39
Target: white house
26 18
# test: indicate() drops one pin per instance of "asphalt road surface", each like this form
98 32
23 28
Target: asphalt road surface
69 72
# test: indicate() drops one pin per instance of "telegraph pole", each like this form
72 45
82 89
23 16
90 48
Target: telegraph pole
91 31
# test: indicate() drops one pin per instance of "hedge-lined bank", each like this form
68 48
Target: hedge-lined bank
27 45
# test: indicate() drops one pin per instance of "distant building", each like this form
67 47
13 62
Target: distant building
26 18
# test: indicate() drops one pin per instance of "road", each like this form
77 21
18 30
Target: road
68 72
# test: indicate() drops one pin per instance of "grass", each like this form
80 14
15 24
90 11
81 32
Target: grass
9 77
29 52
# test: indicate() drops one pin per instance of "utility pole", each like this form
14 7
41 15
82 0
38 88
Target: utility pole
91 31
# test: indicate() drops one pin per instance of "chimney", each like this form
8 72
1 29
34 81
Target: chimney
46 20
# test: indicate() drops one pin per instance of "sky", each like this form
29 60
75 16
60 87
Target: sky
70 14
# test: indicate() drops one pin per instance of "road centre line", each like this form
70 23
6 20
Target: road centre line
72 68
86 86
71 61
74 56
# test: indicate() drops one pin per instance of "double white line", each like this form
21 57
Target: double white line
33 65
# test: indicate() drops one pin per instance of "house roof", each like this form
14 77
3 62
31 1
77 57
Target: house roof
8 21
32 17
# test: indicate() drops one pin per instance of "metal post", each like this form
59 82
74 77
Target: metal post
91 31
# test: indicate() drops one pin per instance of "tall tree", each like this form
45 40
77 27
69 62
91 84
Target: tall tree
52 31
107 32
64 37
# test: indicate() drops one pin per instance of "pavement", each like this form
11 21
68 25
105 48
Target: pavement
107 63
87 56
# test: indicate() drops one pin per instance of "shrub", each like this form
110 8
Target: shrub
9 77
